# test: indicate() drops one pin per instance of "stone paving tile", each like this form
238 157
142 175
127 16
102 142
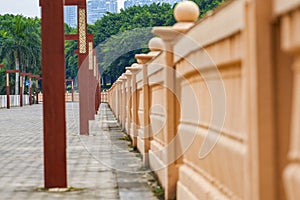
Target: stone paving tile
101 164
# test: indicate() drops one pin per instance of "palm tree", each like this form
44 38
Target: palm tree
20 42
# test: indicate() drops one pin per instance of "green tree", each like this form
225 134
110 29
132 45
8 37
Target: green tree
207 5
119 50
119 36
71 58
20 43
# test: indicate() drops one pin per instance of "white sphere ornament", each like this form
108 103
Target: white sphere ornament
156 44
186 11
135 65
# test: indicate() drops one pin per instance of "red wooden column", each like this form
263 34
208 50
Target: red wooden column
21 90
83 70
97 82
7 91
30 89
72 90
83 83
92 84
8 87
53 62
98 85
1 66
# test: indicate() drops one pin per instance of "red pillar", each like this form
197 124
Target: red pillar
72 90
55 168
7 97
83 72
91 87
83 85
37 91
83 65
98 90
92 90
30 91
97 97
21 90
7 91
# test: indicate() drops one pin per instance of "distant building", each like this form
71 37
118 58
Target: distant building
97 8
128 3
70 15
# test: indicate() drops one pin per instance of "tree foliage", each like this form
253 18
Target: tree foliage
20 39
71 59
207 5
20 45
119 36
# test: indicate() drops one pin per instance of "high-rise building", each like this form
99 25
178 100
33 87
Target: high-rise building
97 8
70 15
128 3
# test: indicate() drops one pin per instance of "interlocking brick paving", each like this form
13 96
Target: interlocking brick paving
100 166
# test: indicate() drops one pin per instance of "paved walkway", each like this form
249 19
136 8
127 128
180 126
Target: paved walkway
100 166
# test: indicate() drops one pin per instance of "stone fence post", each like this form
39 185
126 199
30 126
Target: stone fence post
134 109
185 13
128 75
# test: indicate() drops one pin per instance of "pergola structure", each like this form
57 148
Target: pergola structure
85 81
93 74
53 62
97 83
8 86
54 119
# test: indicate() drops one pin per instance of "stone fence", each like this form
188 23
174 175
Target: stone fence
104 97
214 108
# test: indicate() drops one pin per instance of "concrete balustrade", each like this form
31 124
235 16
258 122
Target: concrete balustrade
104 97
288 67
214 107
128 89
133 116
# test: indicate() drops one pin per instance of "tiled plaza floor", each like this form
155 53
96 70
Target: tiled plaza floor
100 166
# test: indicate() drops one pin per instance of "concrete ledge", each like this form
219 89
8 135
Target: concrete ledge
158 167
140 143
184 193
292 181
196 185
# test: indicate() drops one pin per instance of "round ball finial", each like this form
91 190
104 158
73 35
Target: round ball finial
135 65
156 44
186 11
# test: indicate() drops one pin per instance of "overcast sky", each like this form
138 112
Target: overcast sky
28 8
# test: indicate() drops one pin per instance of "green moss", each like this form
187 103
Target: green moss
158 191
126 138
